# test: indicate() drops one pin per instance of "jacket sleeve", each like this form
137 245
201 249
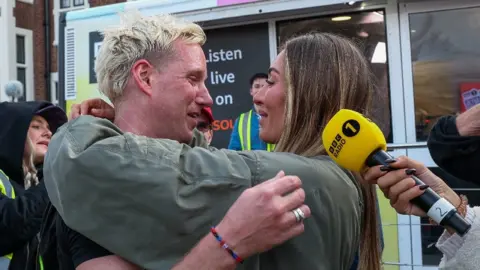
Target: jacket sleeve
21 218
235 138
455 154
461 253
147 200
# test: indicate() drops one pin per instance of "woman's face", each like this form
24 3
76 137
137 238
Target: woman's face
270 101
40 135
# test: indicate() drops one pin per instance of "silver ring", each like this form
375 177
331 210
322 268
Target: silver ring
299 215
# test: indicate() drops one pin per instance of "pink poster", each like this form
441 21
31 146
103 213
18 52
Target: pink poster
232 2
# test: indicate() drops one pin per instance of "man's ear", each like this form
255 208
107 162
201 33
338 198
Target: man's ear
142 72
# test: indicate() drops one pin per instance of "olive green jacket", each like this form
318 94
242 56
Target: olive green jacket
151 200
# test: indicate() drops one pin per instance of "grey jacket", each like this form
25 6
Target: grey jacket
151 200
461 253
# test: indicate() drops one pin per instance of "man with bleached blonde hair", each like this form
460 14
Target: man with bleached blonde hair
153 70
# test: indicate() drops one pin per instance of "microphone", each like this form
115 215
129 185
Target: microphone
355 142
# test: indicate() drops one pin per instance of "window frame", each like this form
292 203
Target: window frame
29 74
56 15
26 1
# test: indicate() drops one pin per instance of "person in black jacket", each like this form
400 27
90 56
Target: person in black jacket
25 132
454 144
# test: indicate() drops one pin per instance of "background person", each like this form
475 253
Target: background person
204 124
26 131
246 130
459 253
454 144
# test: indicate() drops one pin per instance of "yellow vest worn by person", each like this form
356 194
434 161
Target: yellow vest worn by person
7 190
245 134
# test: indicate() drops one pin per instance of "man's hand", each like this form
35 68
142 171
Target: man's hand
95 107
468 123
262 216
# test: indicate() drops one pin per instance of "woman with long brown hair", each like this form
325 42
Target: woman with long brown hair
312 78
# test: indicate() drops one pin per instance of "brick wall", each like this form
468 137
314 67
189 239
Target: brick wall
31 16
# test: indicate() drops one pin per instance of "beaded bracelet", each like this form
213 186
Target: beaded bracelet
225 245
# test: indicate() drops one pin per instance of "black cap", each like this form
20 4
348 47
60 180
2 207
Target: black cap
54 115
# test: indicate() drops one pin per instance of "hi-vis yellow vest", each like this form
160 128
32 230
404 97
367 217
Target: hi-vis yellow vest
7 189
244 126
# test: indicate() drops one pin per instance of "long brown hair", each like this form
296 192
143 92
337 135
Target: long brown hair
326 73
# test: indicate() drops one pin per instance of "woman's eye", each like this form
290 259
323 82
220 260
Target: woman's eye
269 82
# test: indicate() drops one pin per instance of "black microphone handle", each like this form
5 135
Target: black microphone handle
430 202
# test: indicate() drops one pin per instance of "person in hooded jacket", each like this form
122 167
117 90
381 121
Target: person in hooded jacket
26 130
454 144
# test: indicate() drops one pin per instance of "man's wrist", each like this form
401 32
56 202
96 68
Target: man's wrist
208 254
232 238
225 260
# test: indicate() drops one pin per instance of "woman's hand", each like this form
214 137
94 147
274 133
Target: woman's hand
95 107
400 188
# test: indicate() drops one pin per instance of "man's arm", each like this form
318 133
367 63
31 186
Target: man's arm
150 201
245 238
455 153
207 255
235 138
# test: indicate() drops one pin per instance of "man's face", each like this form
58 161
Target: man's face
257 85
178 92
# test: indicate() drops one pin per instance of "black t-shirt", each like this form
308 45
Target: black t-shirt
62 248
75 249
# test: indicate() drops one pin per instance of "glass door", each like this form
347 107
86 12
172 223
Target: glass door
441 73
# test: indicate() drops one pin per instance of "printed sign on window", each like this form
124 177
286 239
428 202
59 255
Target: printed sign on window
470 95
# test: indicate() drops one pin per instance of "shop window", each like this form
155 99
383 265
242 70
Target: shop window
445 64
367 30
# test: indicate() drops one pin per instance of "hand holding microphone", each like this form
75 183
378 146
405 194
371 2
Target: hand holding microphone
397 185
356 143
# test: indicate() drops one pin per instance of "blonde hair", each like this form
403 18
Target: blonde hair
325 73
28 165
139 37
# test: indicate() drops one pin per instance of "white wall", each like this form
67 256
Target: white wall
7 55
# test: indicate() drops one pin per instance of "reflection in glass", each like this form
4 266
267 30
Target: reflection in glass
20 49
445 64
65 3
21 77
78 2
367 29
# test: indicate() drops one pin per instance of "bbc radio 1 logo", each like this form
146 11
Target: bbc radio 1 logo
95 40
350 128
